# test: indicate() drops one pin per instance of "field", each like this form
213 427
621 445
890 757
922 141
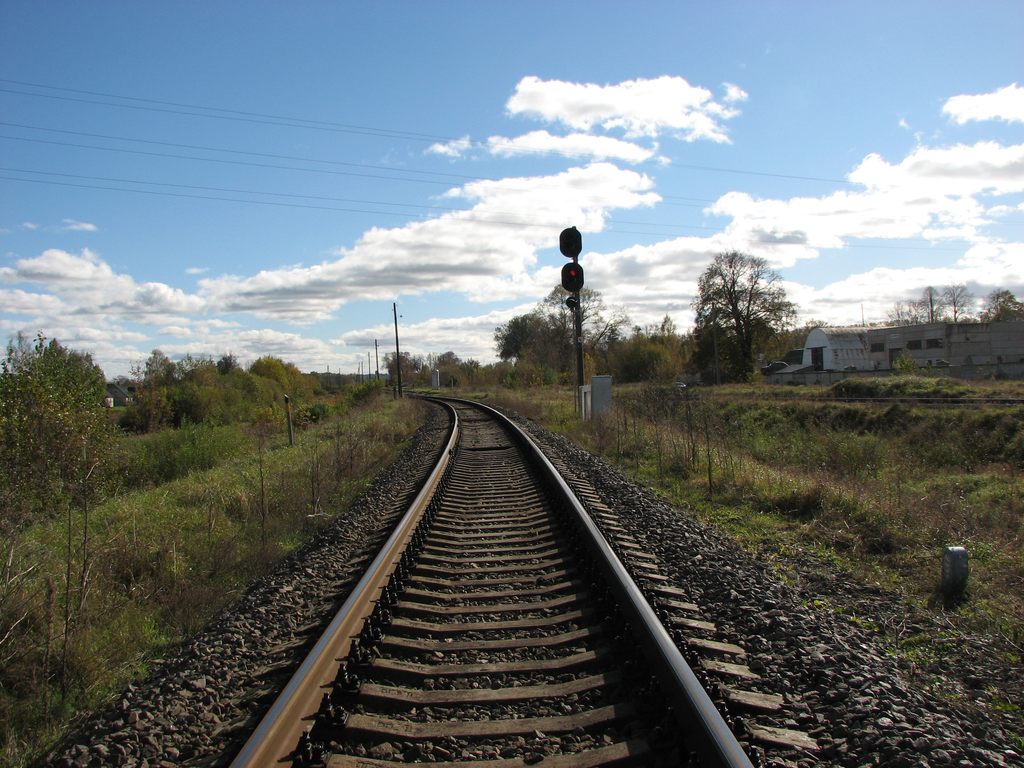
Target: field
803 478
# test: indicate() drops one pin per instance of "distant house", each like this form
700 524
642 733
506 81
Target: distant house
117 396
966 350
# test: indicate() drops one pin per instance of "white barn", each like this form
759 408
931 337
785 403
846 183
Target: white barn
837 349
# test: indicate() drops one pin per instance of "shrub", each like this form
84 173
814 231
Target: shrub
163 456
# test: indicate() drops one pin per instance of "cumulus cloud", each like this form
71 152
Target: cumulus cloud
70 225
986 166
577 145
87 285
642 107
484 252
932 193
19 302
1004 104
454 149
470 336
983 267
734 93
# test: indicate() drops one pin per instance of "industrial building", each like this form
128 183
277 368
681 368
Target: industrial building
962 350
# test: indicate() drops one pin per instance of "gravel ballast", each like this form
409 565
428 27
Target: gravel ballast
867 706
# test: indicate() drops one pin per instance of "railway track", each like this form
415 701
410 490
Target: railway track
496 626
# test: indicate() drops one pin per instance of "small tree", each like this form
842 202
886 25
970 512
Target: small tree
1001 306
932 304
54 448
905 365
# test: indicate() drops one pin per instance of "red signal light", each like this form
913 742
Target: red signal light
572 277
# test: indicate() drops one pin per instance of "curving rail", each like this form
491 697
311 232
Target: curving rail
497 577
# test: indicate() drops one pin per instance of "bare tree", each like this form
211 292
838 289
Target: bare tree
932 304
907 313
959 300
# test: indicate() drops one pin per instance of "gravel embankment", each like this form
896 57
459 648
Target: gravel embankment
865 705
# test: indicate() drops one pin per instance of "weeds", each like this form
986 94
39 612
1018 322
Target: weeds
881 487
152 565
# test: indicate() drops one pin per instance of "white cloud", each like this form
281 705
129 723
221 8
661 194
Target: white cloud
196 270
19 302
734 93
70 225
1004 104
643 107
455 148
983 268
470 336
575 145
987 166
931 194
89 287
29 225
484 253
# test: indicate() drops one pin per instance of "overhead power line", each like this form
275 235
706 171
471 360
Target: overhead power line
248 153
743 172
410 216
182 108
513 220
219 113
223 161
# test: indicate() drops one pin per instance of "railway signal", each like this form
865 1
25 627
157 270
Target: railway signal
570 243
572 277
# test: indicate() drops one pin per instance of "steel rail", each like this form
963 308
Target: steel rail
279 732
693 708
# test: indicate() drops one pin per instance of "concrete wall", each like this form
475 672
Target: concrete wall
967 372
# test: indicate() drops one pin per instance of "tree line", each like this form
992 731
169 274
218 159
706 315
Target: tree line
742 317
956 304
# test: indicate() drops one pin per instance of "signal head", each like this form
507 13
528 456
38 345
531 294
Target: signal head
572 277
570 243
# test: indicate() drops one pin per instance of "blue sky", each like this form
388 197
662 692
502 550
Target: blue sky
267 178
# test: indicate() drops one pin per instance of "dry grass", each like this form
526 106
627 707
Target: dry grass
881 488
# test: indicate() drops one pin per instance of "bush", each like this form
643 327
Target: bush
900 386
163 456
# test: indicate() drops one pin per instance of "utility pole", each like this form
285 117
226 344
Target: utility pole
376 359
714 344
398 352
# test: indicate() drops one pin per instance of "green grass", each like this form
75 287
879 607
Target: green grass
165 558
